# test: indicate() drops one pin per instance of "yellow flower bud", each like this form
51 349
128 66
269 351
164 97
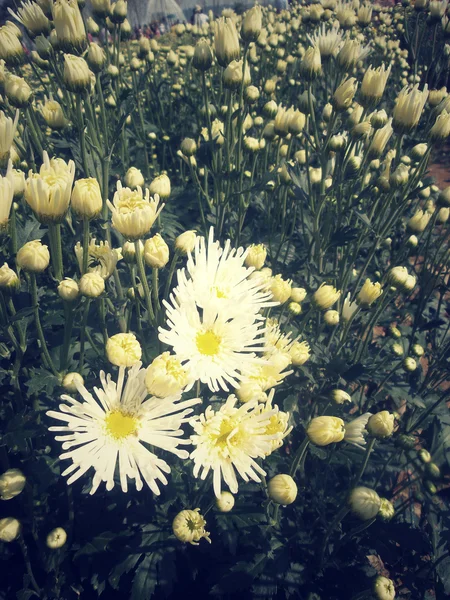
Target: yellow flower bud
280 288
282 489
10 529
12 483
225 502
226 42
123 350
185 242
252 24
381 425
340 397
189 527
344 94
256 256
156 252
69 26
323 431
76 73
92 285
203 58
295 308
441 128
331 317
96 57
419 221
9 280
325 296
373 85
56 538
68 290
161 186
364 503
397 276
369 293
383 588
299 353
250 390
53 115
11 50
72 381
101 8
234 75
86 199
409 364
387 510
408 108
166 376
133 212
33 257
188 147
311 64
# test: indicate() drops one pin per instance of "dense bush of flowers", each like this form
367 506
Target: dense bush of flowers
224 304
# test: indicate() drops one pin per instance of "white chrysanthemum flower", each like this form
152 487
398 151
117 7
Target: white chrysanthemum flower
276 341
355 430
114 429
218 276
327 40
229 440
214 346
133 211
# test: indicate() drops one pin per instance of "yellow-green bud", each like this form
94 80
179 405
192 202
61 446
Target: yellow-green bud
10 529
12 483
68 290
323 431
387 510
282 489
424 456
295 308
432 471
364 503
56 538
71 382
409 364
225 502
383 588
340 396
381 425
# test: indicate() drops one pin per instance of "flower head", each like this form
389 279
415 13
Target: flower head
133 212
113 431
323 431
229 440
102 259
123 350
355 430
189 527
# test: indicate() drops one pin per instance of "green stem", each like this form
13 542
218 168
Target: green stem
56 248
29 569
68 326
172 267
40 333
365 462
83 333
143 278
84 267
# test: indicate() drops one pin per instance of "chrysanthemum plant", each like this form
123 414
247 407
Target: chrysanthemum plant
224 303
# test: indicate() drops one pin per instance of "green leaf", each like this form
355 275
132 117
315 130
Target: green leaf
98 544
42 380
145 579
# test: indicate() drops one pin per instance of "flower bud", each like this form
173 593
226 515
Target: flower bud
444 197
250 390
166 376
71 382
326 296
432 471
282 489
373 85
270 109
417 350
251 94
256 256
203 58
298 294
69 26
441 128
226 42
96 57
383 588
225 502
86 201
409 364
189 527
443 215
9 280
397 349
424 456
56 538
53 115
331 318
134 178
188 147
397 276
419 221
185 242
33 257
379 119
295 308
381 425
12 483
408 108
156 252
430 487
68 290
76 73
369 293
123 350
92 285
11 50
10 529
323 431
340 397
387 510
299 353
280 288
364 503
311 64
161 186
234 76
119 11
344 94
252 24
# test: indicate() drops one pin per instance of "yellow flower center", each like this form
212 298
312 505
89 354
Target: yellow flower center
219 292
120 425
223 439
208 343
